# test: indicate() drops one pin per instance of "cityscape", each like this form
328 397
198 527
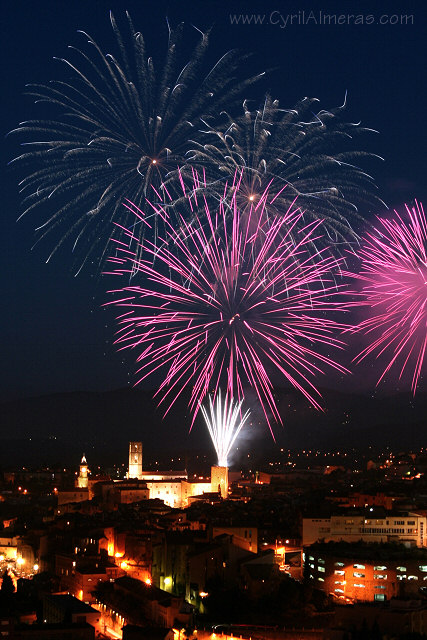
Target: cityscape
213 390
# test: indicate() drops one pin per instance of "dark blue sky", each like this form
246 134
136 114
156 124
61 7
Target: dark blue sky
54 335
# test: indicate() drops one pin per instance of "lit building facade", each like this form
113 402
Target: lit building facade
362 578
176 492
408 528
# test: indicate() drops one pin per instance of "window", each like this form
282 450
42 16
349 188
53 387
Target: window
380 586
359 566
423 568
400 568
412 577
310 558
339 564
339 582
322 569
380 568
339 590
359 585
379 596
320 561
356 574
320 579
339 573
402 576
380 576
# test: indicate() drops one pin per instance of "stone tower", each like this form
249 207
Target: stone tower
219 480
135 460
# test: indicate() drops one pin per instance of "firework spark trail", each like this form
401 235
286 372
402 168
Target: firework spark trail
122 126
312 153
211 312
394 277
224 421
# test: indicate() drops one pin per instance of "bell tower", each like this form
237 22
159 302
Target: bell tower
82 480
135 460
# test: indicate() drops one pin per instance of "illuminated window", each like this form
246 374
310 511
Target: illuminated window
423 568
379 596
356 574
380 586
339 573
320 561
359 585
339 581
380 568
339 590
322 569
400 568
339 564
320 579
412 577
359 566
380 576
402 577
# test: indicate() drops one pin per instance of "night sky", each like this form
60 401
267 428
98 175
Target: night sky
55 337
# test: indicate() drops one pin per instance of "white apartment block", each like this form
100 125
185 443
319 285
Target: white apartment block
409 529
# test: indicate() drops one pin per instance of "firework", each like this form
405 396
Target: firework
394 277
122 126
212 312
313 154
224 422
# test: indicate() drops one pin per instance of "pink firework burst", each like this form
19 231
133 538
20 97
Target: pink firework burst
394 276
228 301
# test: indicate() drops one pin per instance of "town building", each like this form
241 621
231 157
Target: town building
372 525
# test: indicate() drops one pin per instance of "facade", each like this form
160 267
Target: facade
366 572
8 547
370 526
176 492
69 497
243 537
80 579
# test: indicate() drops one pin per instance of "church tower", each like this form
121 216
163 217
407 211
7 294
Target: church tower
135 460
82 480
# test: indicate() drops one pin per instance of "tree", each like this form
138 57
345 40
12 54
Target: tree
7 586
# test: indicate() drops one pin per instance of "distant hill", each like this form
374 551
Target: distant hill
59 427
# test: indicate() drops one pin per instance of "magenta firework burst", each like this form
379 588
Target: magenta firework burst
394 276
228 301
